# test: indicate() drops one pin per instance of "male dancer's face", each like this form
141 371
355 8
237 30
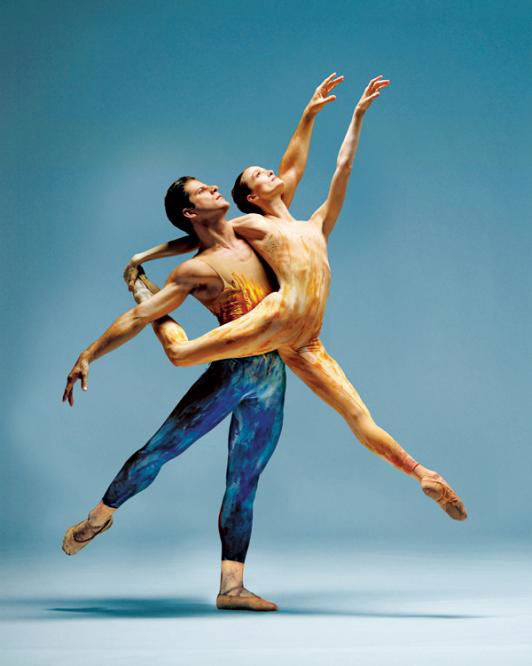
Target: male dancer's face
207 204
263 183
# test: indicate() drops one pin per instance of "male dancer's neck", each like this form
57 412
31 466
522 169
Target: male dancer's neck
218 233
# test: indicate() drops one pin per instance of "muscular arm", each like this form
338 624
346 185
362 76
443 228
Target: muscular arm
180 283
329 211
294 160
172 248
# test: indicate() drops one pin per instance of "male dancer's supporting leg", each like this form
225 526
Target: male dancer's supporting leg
255 430
324 376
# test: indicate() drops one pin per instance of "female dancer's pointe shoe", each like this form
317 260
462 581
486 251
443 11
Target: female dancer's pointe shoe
441 492
73 541
147 282
251 603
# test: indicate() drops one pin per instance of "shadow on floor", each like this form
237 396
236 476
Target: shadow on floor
164 607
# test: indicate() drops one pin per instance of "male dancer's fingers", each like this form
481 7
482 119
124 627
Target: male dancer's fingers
67 395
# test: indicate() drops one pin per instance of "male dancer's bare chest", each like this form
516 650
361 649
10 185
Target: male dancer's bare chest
243 281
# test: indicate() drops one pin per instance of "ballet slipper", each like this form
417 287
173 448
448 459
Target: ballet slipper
72 545
251 603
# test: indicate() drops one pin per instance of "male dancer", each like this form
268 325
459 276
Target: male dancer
290 319
229 279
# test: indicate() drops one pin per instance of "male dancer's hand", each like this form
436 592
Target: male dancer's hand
371 93
79 371
322 96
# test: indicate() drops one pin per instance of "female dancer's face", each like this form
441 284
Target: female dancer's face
263 183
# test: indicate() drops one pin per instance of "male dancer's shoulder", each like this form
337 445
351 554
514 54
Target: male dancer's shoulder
193 272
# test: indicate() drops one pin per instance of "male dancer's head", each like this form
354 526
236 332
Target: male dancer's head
193 206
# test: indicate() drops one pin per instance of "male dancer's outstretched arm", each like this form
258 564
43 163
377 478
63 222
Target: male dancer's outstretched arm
181 281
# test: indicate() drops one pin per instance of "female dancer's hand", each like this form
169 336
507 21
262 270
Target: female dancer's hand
371 92
321 96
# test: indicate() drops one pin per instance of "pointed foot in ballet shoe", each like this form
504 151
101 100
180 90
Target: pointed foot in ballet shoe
81 534
251 603
441 492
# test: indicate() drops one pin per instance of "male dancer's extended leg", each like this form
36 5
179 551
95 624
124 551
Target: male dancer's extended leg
325 377
254 433
209 401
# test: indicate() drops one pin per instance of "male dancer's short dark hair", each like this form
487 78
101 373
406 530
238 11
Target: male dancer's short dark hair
240 192
175 200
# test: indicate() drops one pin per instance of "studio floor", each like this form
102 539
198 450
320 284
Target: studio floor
347 605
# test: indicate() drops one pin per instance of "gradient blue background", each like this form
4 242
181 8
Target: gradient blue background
103 104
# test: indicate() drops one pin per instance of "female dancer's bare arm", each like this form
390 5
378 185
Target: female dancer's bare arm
294 160
328 212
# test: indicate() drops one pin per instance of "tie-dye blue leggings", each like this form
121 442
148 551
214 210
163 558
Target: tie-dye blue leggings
253 390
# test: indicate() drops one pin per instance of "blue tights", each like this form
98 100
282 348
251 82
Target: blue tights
253 390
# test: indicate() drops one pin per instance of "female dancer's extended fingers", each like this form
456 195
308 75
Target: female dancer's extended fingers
335 82
328 99
371 85
325 81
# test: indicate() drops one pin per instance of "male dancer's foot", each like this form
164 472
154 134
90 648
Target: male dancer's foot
437 488
234 596
78 536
